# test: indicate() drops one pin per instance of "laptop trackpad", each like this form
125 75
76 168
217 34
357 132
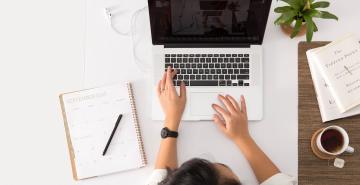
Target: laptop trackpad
200 103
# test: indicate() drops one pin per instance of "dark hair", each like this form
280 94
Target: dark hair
197 172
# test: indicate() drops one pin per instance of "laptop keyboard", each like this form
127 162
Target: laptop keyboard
210 69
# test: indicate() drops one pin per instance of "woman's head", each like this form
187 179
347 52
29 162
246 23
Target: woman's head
200 172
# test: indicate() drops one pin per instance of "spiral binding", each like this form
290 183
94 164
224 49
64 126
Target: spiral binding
136 123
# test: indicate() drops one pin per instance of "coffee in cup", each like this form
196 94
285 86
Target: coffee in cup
333 140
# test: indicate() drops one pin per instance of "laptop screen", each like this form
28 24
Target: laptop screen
208 21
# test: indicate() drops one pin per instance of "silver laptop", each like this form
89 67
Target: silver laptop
215 45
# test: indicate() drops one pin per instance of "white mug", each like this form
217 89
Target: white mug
345 144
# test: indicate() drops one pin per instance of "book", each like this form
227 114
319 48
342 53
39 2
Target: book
339 65
327 105
89 117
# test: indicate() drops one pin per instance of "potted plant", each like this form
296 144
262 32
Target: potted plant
297 17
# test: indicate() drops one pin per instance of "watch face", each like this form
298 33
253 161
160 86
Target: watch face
164 133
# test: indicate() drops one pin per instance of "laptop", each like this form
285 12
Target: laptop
215 45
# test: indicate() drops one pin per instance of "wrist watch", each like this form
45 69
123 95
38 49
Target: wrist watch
166 132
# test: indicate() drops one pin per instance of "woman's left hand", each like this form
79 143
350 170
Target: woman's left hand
172 104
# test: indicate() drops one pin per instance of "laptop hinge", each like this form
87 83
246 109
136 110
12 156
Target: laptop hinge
204 45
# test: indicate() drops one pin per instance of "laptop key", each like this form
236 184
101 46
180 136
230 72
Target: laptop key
237 60
199 65
187 65
218 71
244 71
191 55
193 66
205 65
209 77
241 83
191 60
204 83
217 65
176 65
207 71
236 71
222 55
211 65
240 55
186 77
224 71
203 77
222 83
221 77
232 60
185 55
178 60
246 84
167 55
201 71
182 65
244 59
216 77
185 60
223 65
169 65
186 83
246 55
234 55
197 60
220 60
246 65
173 60
226 59
208 60
228 55
212 71
195 71
241 66
167 60
183 71
228 83
198 77
242 77
180 77
192 77
227 77
173 55
233 77
202 60
189 71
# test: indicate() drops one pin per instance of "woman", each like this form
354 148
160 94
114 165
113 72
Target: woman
231 118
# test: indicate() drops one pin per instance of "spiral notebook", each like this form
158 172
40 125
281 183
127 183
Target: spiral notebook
89 117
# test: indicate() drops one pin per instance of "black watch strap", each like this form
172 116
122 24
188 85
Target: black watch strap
166 132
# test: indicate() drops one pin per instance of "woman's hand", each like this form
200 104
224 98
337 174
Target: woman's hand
172 104
232 118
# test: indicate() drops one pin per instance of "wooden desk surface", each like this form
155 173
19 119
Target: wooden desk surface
313 171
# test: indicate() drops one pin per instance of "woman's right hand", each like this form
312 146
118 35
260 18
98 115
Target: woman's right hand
231 118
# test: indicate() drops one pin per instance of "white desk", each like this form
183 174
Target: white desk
44 57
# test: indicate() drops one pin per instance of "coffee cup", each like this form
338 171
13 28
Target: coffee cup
333 140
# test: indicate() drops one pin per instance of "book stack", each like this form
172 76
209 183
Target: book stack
335 70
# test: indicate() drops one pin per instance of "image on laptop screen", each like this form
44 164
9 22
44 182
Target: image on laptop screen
208 21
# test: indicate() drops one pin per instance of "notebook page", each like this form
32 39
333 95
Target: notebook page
91 116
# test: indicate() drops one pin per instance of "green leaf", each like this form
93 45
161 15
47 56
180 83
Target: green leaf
310 28
326 15
320 4
315 28
285 17
295 4
296 28
283 9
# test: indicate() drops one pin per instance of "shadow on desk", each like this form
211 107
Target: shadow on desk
314 171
